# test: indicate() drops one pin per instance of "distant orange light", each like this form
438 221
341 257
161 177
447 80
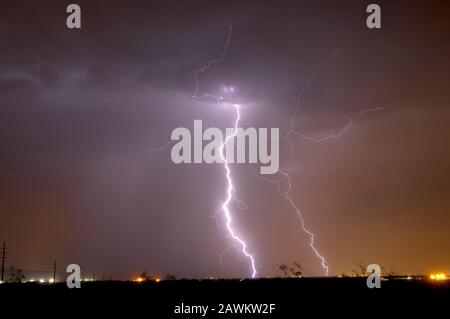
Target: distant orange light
157 280
438 276
139 279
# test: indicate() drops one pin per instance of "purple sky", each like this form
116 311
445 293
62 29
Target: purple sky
80 110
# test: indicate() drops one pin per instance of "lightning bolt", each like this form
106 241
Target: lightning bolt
287 194
206 67
288 197
230 189
292 131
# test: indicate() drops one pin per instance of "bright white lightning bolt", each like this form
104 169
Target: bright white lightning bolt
230 187
230 190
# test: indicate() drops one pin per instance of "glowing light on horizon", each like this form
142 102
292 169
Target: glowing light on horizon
438 276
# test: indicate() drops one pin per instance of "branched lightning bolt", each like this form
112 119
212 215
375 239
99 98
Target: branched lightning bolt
350 123
230 187
288 197
307 83
292 131
230 190
285 137
204 68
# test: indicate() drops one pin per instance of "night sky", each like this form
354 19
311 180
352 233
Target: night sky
81 110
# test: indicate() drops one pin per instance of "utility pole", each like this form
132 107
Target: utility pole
3 260
54 272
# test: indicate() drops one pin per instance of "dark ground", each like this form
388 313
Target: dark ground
293 298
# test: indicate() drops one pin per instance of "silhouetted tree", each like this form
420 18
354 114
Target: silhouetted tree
389 272
144 275
360 270
16 275
170 277
284 269
297 270
291 271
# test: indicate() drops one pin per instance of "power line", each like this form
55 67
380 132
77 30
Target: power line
54 272
3 260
